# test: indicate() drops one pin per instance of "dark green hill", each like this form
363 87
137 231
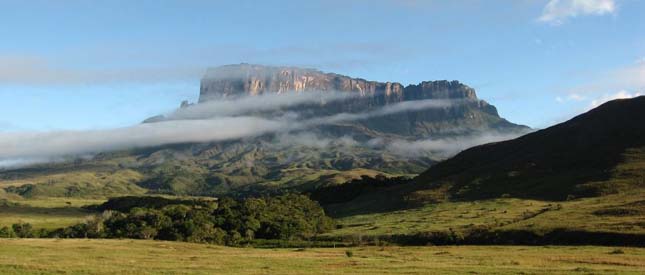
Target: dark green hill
596 153
578 182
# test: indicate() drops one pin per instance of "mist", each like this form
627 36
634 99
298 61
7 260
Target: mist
220 120
399 107
443 147
247 104
312 140
30 147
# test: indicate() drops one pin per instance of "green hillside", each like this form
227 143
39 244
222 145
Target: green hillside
586 175
597 153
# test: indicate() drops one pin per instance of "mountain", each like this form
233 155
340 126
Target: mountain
362 128
469 114
597 153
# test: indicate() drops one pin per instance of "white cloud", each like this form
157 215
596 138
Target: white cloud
630 77
445 147
608 97
570 97
405 106
148 63
30 70
625 82
576 97
17 148
557 11
36 146
312 140
265 102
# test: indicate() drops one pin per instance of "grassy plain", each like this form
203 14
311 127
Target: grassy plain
84 256
621 213
49 213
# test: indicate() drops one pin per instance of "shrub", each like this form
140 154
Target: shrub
617 251
23 230
7 232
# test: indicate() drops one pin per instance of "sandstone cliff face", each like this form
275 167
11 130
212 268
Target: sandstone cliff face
245 79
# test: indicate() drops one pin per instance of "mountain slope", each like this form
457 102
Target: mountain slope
578 182
599 152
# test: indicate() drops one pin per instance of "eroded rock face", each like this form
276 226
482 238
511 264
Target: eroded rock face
232 81
246 79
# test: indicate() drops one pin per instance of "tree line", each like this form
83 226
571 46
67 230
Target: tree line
226 221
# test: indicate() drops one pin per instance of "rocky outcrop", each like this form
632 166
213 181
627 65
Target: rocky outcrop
246 79
232 81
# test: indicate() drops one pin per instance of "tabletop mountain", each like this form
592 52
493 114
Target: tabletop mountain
385 117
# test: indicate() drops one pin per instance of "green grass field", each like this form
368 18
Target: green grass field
621 213
613 213
49 213
81 256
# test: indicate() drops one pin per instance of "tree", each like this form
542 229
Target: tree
23 230
7 232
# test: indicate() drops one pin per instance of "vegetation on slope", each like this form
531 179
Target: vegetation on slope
229 168
612 219
596 153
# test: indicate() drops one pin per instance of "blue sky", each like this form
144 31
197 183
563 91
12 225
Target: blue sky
105 64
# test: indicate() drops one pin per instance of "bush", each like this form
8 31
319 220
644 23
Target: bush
7 232
23 230
617 251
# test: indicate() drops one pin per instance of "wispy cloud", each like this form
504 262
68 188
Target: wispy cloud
37 146
557 11
445 147
608 97
204 125
144 63
311 140
625 82
265 102
405 106
570 97
438 148
30 70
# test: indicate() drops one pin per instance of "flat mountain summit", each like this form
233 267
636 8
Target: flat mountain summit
249 79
